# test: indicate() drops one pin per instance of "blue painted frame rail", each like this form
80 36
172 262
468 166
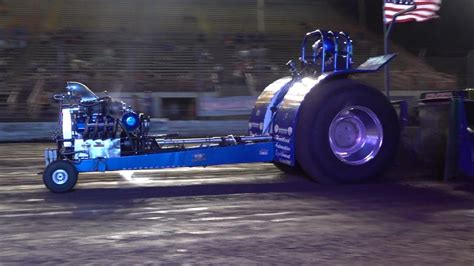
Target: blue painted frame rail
201 156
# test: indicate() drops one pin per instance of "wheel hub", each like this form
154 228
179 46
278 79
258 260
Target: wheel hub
355 135
346 133
60 177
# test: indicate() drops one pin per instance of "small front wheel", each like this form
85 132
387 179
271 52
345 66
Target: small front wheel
60 176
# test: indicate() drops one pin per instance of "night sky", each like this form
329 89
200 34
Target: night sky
450 35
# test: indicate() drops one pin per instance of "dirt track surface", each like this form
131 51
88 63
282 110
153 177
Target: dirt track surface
244 214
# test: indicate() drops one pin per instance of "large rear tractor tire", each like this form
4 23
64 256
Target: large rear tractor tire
347 133
288 169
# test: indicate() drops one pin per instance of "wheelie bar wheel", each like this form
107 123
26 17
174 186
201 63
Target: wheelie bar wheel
60 176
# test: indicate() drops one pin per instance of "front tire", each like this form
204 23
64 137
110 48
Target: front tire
347 133
60 176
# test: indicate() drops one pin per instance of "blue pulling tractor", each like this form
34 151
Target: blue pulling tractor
317 121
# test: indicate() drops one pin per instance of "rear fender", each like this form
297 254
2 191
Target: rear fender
266 105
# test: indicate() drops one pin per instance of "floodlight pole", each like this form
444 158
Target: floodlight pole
386 32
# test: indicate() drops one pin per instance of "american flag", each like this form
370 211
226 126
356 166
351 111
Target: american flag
425 10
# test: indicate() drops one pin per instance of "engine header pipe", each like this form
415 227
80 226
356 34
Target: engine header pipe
317 34
348 46
333 37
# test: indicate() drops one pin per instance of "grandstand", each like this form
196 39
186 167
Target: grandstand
178 48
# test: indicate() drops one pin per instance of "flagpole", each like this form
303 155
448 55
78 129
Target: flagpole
385 52
386 32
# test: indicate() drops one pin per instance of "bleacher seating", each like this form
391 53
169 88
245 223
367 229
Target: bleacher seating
173 45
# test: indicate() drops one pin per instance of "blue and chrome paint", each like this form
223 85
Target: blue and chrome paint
267 103
273 121
285 121
191 157
131 121
277 107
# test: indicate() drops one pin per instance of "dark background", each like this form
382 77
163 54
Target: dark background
450 35
177 50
